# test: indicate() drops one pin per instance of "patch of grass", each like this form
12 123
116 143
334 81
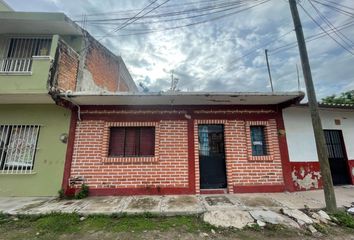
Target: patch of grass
344 219
139 223
274 230
4 218
58 223
254 227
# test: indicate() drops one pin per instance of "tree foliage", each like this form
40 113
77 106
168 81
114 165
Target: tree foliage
343 98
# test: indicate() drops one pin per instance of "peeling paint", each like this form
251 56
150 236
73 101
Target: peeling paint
305 178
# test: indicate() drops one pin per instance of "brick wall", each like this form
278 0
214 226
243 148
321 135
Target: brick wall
104 68
67 68
169 167
243 169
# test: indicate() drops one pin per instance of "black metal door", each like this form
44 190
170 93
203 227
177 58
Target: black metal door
337 157
212 156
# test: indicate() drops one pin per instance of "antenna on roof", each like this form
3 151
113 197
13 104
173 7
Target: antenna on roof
298 78
174 82
270 76
145 88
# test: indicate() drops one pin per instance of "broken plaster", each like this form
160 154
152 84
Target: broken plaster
306 179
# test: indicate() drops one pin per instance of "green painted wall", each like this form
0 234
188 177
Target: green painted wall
34 83
50 157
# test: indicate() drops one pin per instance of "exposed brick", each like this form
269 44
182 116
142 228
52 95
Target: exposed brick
68 64
169 166
104 67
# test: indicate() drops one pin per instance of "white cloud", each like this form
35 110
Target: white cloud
208 57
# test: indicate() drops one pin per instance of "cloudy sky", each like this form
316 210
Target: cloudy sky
218 45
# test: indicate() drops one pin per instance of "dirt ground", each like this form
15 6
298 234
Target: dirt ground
72 226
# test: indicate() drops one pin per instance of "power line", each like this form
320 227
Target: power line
339 4
180 18
162 7
190 24
127 21
256 49
324 30
175 13
343 37
308 39
262 46
350 14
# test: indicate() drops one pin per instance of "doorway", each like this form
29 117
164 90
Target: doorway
337 157
212 156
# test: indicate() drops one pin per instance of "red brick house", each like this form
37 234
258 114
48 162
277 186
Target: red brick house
179 143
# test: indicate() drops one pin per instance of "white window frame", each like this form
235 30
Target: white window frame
21 64
18 146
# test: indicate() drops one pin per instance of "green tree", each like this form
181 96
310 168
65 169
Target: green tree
343 98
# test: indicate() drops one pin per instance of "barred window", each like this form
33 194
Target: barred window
259 146
132 142
18 145
20 52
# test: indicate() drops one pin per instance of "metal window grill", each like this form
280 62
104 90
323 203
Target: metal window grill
20 52
259 147
18 145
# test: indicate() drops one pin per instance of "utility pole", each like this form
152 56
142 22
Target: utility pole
322 153
270 76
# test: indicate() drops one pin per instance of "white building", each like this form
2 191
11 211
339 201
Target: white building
338 124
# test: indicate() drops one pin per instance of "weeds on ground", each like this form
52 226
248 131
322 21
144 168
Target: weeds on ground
344 219
321 228
83 193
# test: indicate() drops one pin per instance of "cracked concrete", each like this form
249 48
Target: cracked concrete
262 207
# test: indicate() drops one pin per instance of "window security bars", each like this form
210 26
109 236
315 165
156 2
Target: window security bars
18 144
20 52
259 147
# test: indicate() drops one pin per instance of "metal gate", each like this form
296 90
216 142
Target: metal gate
337 157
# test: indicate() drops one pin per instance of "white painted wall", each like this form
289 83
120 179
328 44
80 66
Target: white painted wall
299 131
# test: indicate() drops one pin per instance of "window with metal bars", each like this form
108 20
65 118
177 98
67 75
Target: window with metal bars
132 142
258 141
20 52
18 144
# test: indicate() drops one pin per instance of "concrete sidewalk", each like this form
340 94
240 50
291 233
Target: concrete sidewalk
175 205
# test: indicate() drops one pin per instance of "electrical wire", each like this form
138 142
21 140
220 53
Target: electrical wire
324 30
308 39
339 4
190 24
174 19
123 12
262 46
127 21
350 14
339 34
176 13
